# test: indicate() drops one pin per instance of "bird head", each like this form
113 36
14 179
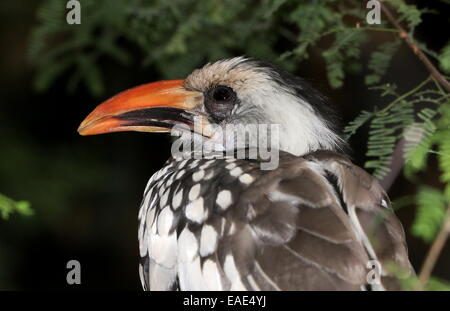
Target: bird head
237 91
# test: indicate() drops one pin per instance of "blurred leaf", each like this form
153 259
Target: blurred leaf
359 121
419 141
9 206
435 284
408 13
444 156
380 61
385 131
444 58
430 213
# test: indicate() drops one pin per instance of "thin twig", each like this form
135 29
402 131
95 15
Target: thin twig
379 29
435 250
437 76
405 95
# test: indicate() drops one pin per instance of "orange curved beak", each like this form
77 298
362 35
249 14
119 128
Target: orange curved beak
153 107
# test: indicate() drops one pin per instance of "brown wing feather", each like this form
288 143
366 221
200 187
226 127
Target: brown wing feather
311 224
366 197
307 241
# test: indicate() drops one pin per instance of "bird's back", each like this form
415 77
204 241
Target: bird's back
317 222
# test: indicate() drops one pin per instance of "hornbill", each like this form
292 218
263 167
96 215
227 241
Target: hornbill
221 222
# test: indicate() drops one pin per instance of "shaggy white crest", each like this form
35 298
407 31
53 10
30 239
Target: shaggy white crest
264 100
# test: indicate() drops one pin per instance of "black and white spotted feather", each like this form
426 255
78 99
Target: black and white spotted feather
314 223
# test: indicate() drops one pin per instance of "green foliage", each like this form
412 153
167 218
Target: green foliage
431 203
435 284
385 130
397 121
418 141
426 136
346 46
359 121
412 283
57 47
409 14
444 58
313 19
171 36
430 213
380 61
9 206
444 155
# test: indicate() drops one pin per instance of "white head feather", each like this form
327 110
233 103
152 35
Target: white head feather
264 98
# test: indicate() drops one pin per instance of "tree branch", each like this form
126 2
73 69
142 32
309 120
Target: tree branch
435 250
435 74
397 160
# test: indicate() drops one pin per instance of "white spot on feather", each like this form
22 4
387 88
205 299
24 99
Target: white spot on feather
197 176
180 174
188 245
189 270
165 220
236 171
150 217
246 179
195 211
208 240
182 164
211 275
194 192
233 274
224 199
230 166
163 249
164 198
169 181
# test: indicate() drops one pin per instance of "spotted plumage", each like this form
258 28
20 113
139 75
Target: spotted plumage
293 228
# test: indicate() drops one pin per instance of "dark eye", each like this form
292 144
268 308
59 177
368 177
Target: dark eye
219 102
222 93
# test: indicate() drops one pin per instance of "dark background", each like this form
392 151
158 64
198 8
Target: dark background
85 191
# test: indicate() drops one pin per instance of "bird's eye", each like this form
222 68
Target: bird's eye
222 93
219 102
